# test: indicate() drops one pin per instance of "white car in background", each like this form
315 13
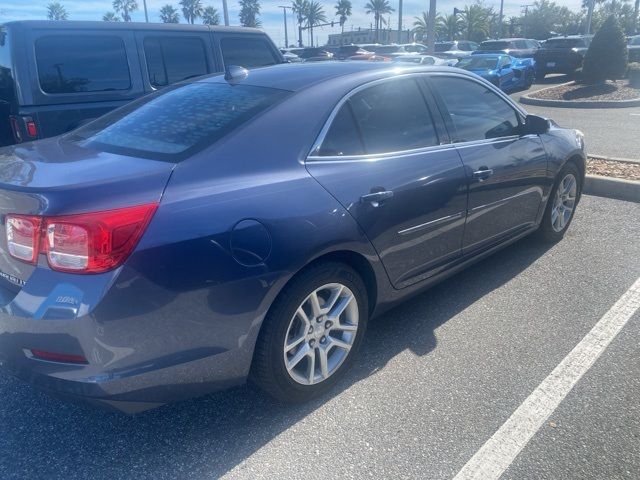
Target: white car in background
425 60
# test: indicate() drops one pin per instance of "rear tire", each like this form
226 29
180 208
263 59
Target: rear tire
311 334
561 205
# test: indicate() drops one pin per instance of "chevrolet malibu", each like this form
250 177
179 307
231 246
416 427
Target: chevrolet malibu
248 225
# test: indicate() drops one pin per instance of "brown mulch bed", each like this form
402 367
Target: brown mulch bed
609 91
612 168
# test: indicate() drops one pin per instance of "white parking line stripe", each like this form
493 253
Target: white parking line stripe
501 449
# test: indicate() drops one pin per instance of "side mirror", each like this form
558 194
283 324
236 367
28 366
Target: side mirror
535 125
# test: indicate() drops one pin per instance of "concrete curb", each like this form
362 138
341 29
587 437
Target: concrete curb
613 159
527 100
609 187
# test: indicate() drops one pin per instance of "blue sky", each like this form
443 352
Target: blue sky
271 16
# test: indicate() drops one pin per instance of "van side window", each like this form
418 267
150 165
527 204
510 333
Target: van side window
173 59
247 52
82 63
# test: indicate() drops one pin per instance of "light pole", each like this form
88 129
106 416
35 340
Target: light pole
225 12
501 16
286 35
400 21
590 16
431 27
146 15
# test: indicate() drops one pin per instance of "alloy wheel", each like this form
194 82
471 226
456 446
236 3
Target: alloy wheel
564 202
321 333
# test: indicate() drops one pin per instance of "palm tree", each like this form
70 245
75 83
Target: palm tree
476 21
125 7
315 16
249 12
343 11
449 26
379 8
56 11
110 17
420 25
300 8
169 14
191 9
210 16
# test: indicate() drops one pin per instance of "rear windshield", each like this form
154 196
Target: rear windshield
634 41
82 63
443 47
178 121
348 49
565 43
495 45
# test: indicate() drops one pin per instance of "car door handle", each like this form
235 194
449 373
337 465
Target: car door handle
483 173
376 198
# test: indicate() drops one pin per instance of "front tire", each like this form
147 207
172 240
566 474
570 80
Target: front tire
562 204
312 333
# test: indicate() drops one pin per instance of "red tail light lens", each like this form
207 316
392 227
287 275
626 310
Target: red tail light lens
23 236
58 357
32 129
83 243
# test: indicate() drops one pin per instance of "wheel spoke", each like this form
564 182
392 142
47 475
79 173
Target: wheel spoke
554 215
335 296
315 304
344 327
303 316
340 306
297 358
340 344
312 366
295 343
324 364
568 185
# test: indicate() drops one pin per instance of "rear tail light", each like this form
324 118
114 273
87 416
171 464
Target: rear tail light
82 243
32 129
23 236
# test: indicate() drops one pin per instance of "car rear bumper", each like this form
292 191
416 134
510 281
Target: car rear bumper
139 353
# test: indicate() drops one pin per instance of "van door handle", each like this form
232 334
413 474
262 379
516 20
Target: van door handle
483 173
376 198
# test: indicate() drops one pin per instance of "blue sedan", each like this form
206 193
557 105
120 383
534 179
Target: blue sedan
248 225
504 71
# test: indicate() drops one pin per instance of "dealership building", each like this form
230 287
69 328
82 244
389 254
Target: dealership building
368 35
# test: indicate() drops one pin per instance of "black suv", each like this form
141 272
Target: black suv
561 55
515 47
56 76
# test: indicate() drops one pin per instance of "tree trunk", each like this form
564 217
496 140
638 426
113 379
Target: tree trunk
342 33
431 27
312 35
635 16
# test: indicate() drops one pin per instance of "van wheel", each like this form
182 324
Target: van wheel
311 334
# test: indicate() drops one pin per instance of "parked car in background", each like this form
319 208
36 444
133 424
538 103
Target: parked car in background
346 51
290 57
505 72
248 225
424 60
455 49
561 55
633 45
59 75
315 54
515 47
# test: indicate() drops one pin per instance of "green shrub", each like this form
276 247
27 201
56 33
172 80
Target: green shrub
606 58
634 74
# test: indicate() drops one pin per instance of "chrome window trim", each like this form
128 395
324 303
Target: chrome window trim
312 157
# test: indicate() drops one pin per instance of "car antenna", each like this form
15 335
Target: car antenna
235 73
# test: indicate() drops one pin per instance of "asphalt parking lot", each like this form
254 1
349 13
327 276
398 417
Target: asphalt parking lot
436 378
609 132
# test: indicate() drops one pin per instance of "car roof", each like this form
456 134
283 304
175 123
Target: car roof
561 37
503 39
298 76
97 25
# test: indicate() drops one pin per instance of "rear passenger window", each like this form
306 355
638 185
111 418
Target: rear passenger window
173 59
82 63
343 137
393 116
247 52
476 112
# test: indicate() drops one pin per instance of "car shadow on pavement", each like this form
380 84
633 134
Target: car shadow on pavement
42 437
